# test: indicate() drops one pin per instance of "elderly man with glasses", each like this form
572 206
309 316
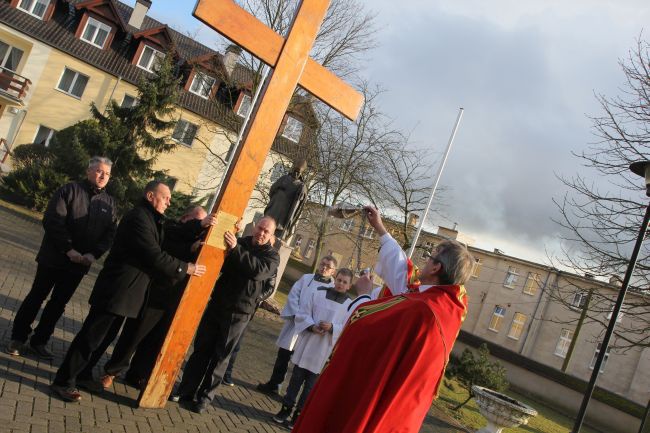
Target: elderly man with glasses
390 358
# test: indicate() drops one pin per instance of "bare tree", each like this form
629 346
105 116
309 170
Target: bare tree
602 218
349 155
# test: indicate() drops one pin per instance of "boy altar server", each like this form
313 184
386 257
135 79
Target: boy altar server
301 290
320 323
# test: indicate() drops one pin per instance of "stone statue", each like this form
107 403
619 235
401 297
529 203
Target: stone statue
286 199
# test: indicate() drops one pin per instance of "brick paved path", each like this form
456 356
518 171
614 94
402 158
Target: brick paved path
25 401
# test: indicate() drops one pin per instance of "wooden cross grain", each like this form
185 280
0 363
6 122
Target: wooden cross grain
292 66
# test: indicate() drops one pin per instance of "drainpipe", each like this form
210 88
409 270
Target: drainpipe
539 301
110 98
576 333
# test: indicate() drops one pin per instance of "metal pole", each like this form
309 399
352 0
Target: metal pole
612 322
435 183
240 134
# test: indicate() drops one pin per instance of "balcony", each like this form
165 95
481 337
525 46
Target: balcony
13 87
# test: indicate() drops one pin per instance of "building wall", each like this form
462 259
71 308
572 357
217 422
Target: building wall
625 372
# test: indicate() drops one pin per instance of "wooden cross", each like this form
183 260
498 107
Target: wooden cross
291 67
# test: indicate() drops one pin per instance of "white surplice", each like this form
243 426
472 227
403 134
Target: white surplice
312 350
300 291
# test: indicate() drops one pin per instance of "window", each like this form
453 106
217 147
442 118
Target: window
129 101
44 135
579 300
96 32
278 171
517 326
368 232
292 129
202 84
611 311
36 8
562 346
310 248
511 277
497 318
592 364
347 225
426 249
150 59
476 270
532 283
73 83
297 242
185 132
245 105
10 56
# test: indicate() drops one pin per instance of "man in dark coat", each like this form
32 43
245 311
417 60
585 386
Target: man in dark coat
142 337
121 287
286 199
80 223
249 263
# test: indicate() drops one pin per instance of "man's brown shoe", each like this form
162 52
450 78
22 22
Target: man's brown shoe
67 394
107 380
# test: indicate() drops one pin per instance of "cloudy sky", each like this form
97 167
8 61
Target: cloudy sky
525 71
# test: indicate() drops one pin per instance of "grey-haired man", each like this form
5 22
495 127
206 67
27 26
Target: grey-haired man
80 223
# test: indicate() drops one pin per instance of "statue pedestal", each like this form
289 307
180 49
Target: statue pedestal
285 252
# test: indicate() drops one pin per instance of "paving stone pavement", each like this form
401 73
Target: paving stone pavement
25 401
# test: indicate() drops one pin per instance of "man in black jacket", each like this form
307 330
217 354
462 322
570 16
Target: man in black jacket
142 337
250 262
121 287
79 223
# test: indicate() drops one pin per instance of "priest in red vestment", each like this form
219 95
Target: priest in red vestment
386 367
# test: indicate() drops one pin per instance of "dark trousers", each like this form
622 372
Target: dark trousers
280 367
134 331
62 284
215 340
83 348
299 377
233 358
146 353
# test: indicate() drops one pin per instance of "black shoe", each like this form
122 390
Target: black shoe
293 420
282 416
41 351
67 394
200 407
268 388
15 348
227 382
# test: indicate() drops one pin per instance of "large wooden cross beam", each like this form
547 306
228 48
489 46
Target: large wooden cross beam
292 66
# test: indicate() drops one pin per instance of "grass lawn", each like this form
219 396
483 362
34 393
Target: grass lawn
548 420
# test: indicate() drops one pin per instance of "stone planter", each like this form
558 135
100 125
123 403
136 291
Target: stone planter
500 410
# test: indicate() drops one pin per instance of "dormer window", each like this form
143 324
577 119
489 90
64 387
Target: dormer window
35 8
292 129
244 105
150 59
202 85
96 32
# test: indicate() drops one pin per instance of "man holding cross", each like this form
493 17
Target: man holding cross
291 66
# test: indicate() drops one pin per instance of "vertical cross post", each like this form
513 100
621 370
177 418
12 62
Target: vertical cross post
292 67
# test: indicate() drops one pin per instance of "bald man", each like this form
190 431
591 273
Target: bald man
250 261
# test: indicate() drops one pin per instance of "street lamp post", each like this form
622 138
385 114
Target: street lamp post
641 168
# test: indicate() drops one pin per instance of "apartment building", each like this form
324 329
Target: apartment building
59 56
